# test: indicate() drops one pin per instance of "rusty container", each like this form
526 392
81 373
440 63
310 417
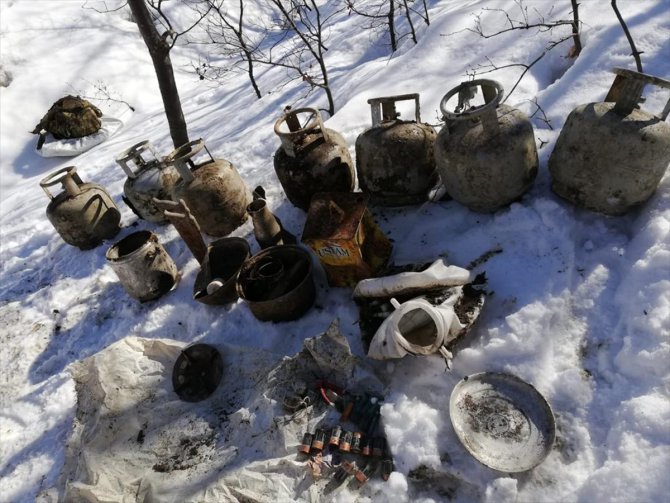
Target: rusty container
348 242
212 189
277 283
148 178
83 213
611 156
215 283
268 229
485 155
394 158
144 268
311 158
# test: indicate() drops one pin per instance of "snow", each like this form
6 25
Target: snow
580 305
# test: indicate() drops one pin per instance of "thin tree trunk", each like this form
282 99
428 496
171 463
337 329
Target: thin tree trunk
636 53
159 50
576 40
391 23
409 20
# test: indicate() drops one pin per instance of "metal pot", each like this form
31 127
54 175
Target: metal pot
486 155
394 158
216 280
151 178
144 268
611 156
213 190
84 214
311 158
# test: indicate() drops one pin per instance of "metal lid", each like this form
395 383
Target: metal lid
504 422
197 372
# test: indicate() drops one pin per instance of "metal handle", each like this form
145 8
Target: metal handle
296 131
134 154
383 109
492 92
182 158
69 179
627 88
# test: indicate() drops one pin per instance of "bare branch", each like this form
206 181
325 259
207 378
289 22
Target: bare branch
631 42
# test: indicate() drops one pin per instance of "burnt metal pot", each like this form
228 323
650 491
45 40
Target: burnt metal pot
277 283
144 268
215 283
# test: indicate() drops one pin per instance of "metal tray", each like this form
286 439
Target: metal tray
504 422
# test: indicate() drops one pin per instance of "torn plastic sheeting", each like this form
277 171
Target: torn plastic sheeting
75 146
438 275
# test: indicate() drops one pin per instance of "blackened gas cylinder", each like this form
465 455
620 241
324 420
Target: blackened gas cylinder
485 155
213 190
611 156
311 158
394 158
83 214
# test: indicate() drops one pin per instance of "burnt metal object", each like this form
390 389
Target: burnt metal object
197 372
213 189
342 233
277 283
485 155
394 158
268 229
504 422
183 220
611 156
150 178
311 158
144 268
215 282
306 443
83 214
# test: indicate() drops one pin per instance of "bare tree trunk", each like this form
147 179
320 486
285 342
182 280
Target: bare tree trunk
409 20
159 49
576 40
425 10
636 53
391 23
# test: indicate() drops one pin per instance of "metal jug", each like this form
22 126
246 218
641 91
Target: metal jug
394 158
213 190
311 158
486 155
151 178
268 229
144 268
83 214
611 156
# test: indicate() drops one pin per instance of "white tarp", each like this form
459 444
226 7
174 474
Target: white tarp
69 147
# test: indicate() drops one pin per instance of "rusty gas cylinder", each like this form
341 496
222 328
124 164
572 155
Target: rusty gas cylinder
311 158
394 158
611 156
213 190
485 155
150 178
83 213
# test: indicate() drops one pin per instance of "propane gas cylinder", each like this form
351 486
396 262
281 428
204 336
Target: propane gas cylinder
151 178
213 190
311 158
84 213
485 155
394 158
611 156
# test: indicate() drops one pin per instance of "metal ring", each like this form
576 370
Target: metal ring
491 105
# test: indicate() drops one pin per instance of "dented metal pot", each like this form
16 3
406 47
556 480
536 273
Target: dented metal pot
83 213
311 158
277 283
150 178
215 283
611 156
394 158
213 190
144 268
486 155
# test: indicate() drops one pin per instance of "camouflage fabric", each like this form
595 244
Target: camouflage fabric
70 117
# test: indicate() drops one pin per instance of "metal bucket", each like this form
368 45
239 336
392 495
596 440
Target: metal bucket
277 283
215 282
143 266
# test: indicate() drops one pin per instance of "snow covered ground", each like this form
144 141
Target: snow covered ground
580 305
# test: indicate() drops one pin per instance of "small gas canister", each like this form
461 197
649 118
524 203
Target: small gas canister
345 442
306 443
318 441
335 435
356 441
342 233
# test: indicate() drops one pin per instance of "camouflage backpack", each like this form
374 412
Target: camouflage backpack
70 117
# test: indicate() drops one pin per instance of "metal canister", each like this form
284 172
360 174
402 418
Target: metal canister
356 440
366 450
394 158
306 443
319 440
611 156
311 158
144 268
83 213
150 178
345 441
213 190
335 435
485 155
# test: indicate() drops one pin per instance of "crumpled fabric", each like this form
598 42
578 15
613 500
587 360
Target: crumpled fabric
75 146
